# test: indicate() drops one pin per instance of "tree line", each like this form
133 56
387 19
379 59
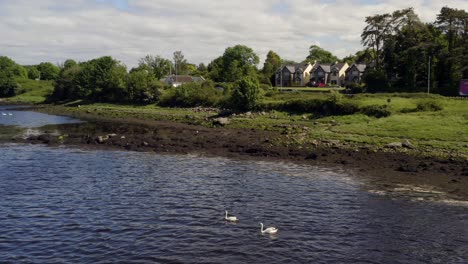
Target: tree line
400 51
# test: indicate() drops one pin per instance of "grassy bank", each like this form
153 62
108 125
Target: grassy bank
434 125
32 91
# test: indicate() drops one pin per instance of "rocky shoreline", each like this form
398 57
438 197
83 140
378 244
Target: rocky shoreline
384 169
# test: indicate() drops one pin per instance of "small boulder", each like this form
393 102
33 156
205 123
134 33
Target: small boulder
101 139
221 121
407 144
394 145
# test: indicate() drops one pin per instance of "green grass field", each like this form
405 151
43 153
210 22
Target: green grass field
442 132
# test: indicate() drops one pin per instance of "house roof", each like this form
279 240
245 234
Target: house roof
185 78
302 66
290 68
325 67
182 78
360 67
339 66
293 68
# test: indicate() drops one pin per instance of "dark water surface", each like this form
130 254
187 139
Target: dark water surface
61 205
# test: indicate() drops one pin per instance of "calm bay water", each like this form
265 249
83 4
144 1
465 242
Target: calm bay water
63 205
28 119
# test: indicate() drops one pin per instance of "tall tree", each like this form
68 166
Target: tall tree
33 73
237 62
271 65
320 55
69 63
48 71
379 27
101 79
364 56
454 24
158 65
8 85
180 63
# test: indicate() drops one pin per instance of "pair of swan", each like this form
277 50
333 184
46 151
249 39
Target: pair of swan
268 230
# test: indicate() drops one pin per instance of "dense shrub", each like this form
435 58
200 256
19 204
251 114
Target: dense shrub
429 105
425 104
8 87
319 107
245 96
192 94
376 110
355 88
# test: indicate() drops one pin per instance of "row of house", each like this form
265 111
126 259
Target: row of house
303 74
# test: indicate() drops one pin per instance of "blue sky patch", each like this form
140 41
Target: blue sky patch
282 8
119 4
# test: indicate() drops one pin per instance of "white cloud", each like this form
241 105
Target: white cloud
55 30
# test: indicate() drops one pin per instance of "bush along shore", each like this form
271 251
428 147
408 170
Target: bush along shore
422 141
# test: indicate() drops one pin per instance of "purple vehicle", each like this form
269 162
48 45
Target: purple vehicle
464 87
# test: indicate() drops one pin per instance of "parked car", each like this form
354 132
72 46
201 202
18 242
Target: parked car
316 84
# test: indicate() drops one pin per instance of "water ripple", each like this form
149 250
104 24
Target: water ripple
71 206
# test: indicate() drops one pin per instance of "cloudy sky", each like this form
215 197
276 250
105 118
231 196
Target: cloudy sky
33 31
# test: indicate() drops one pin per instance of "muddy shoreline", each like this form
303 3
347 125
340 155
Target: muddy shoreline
384 170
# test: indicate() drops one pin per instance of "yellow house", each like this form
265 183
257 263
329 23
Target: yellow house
293 75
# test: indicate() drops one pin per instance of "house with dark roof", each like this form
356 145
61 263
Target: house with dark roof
355 73
177 80
320 73
293 75
338 74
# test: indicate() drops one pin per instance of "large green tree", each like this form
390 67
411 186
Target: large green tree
380 27
67 85
48 71
8 84
237 62
103 79
142 87
181 66
33 73
271 65
157 65
452 64
320 55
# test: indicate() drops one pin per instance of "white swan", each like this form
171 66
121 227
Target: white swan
269 230
230 218
4 114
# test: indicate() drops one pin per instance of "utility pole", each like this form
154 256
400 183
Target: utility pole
281 77
429 74
175 69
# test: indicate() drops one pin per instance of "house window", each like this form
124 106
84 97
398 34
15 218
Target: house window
333 82
355 72
335 73
320 74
